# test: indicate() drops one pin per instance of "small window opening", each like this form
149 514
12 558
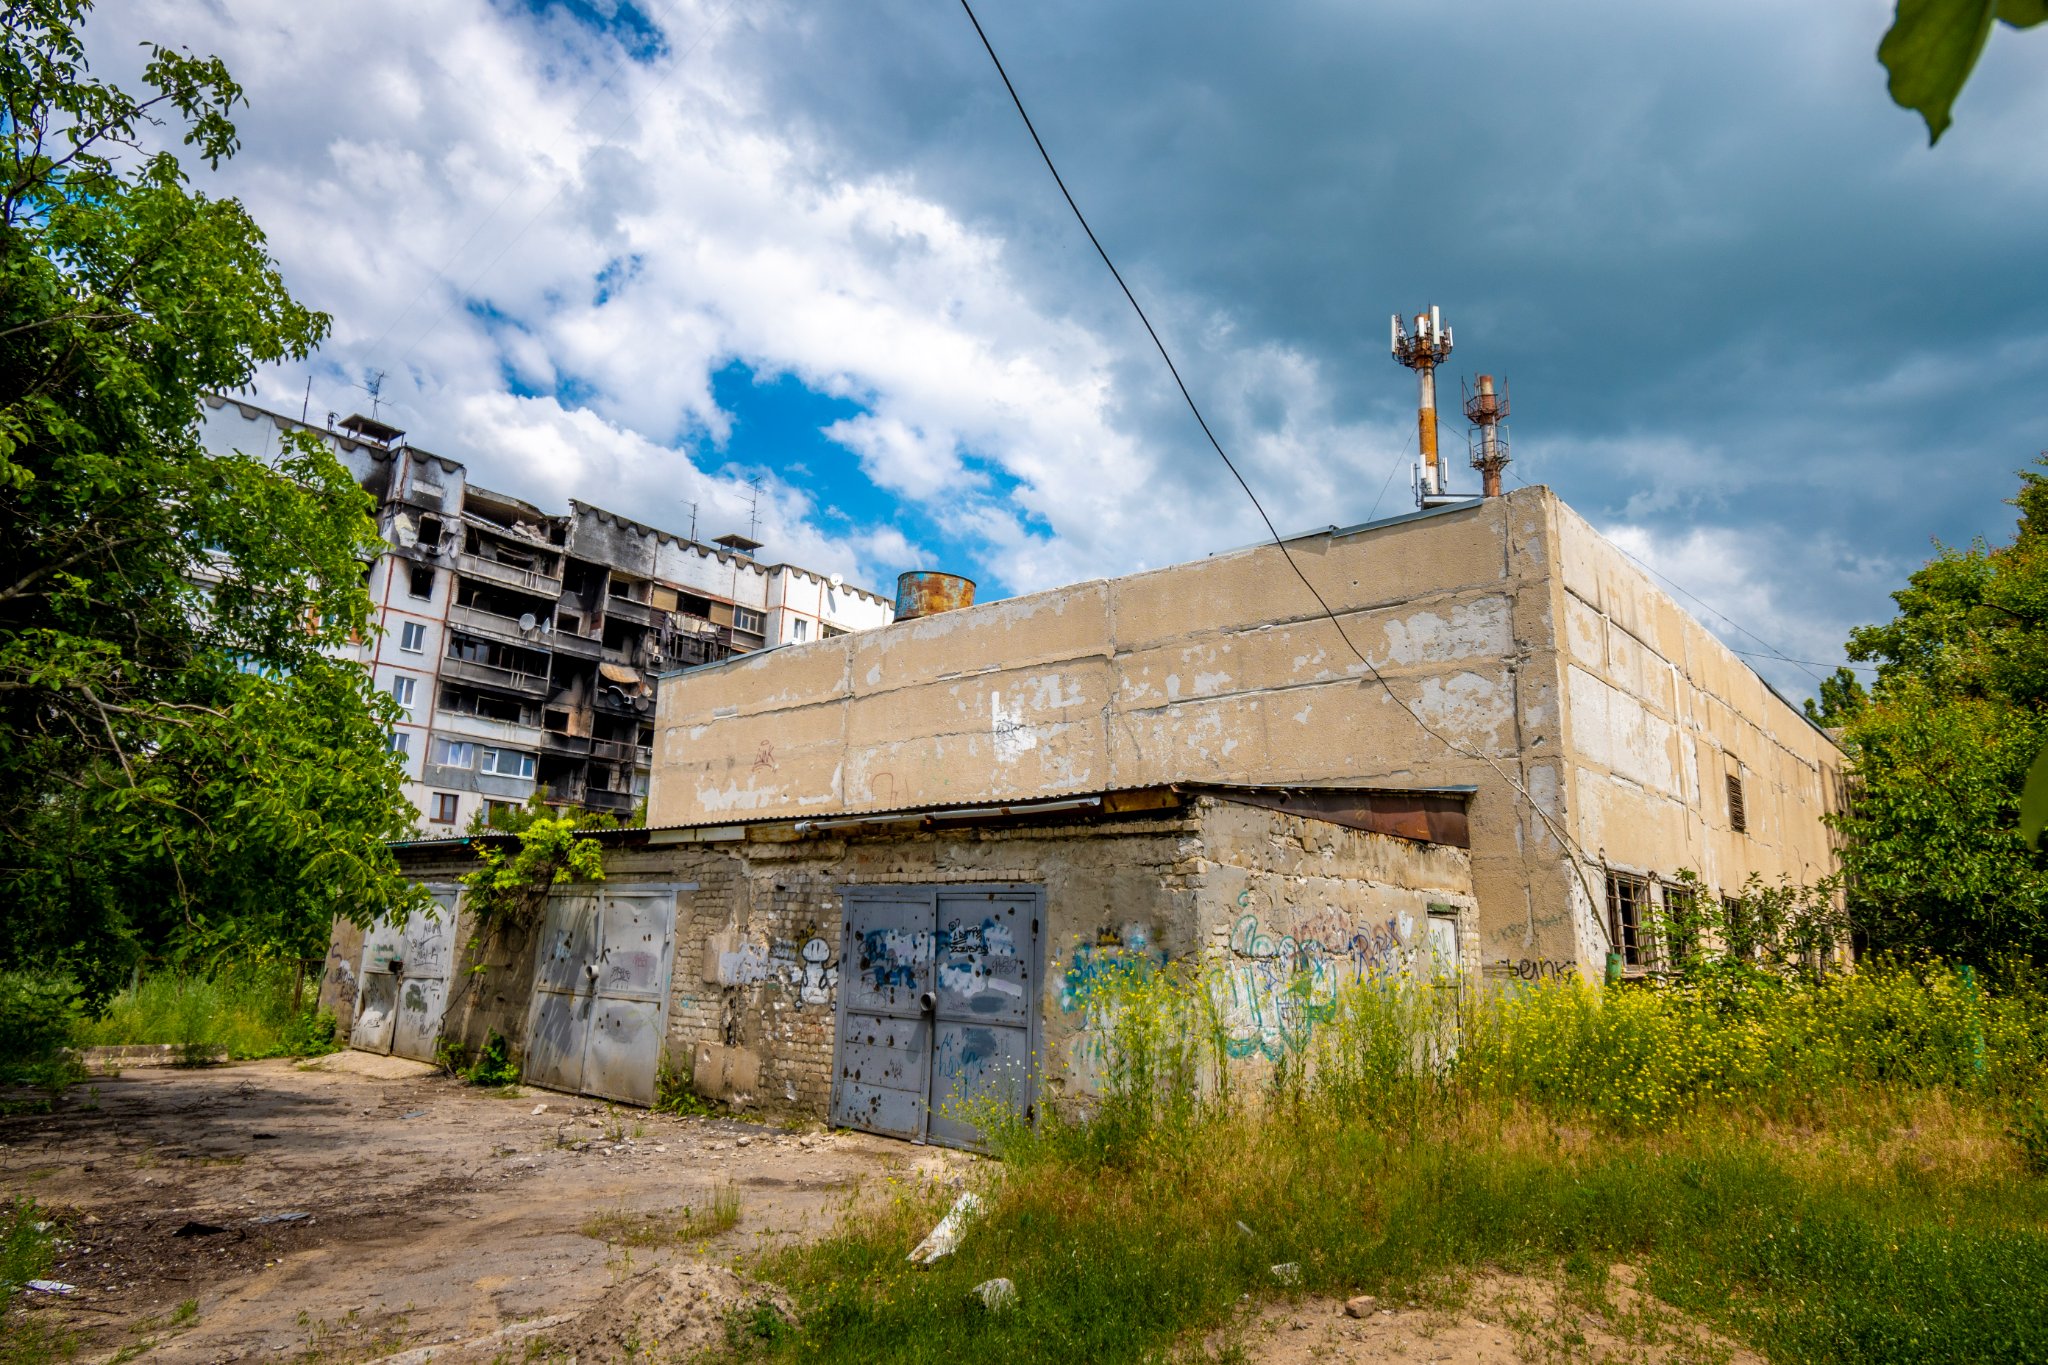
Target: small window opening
444 807
422 585
1738 812
1626 896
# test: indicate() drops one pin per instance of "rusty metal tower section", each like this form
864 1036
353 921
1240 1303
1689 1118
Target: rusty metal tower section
1427 347
1486 410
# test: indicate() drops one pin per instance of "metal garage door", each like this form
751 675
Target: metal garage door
938 1005
403 985
600 993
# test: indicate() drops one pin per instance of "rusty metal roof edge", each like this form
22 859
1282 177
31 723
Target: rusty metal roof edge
999 807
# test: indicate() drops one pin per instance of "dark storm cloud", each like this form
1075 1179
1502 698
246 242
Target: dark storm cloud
1731 287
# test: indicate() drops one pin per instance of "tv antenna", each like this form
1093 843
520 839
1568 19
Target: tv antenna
693 520
754 509
373 385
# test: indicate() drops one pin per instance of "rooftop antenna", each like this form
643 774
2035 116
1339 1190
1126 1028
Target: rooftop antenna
307 406
693 521
1486 410
754 509
1428 347
373 385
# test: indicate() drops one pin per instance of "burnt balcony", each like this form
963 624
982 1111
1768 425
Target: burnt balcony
621 803
491 675
508 575
479 621
577 646
612 750
626 609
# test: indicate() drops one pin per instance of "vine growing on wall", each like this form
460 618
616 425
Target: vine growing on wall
511 888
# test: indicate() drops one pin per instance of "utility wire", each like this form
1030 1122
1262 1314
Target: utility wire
1565 841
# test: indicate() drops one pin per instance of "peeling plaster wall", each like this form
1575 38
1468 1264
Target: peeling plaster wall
1658 713
1221 670
1488 621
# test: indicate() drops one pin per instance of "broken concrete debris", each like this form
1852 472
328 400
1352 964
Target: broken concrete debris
944 1238
1362 1306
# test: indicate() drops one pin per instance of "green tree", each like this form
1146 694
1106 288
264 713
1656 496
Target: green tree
1940 752
1933 45
188 759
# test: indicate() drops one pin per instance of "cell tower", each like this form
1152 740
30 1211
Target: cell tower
1422 351
1486 410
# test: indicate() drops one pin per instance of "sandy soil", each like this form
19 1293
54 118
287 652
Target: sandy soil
433 1212
365 1207
1501 1320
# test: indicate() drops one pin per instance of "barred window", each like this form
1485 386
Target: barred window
1626 897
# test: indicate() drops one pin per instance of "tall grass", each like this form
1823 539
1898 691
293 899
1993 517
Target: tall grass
1821 1169
243 1011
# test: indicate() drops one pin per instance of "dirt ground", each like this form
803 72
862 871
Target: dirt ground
425 1211
364 1207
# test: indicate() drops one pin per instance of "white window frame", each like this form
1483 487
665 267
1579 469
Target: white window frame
799 630
403 688
748 620
399 743
445 751
412 637
522 761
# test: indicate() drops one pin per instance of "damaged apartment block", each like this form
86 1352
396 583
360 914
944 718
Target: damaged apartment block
523 645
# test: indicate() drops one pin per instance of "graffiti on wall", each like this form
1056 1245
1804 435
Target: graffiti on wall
1276 987
810 973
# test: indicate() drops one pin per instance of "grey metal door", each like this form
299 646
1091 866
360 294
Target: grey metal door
600 993
938 1007
429 948
403 985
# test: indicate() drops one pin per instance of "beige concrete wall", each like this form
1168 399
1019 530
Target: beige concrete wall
1486 622
1657 713
1220 670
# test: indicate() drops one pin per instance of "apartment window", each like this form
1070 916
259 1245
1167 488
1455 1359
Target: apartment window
508 763
799 630
402 689
827 632
639 784
445 804
743 619
399 742
422 584
412 637
1626 898
451 753
1738 813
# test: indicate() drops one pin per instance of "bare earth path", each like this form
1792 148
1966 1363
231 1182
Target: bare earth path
431 1211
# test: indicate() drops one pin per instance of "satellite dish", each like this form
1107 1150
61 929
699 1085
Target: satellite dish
527 620
838 581
547 627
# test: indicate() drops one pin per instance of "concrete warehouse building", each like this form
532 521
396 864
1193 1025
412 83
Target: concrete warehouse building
886 871
523 644
1609 740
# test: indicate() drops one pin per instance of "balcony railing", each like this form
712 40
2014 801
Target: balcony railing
490 623
626 609
490 570
617 750
490 675
597 798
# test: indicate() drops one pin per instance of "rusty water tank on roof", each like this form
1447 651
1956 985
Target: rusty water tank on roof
926 592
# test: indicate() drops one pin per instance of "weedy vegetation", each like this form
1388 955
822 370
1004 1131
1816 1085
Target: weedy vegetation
1837 1169
240 1011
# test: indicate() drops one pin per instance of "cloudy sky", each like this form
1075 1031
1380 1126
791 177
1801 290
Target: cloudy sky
642 254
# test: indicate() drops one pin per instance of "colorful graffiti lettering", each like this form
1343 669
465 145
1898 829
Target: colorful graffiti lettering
891 957
1275 989
978 966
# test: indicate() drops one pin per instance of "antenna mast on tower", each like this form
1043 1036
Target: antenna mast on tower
1486 410
1428 347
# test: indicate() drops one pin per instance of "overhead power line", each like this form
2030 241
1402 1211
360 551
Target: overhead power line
1564 839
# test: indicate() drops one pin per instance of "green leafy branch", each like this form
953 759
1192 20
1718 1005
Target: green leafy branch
511 888
1934 44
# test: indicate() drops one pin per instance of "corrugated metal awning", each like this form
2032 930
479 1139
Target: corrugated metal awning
619 673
